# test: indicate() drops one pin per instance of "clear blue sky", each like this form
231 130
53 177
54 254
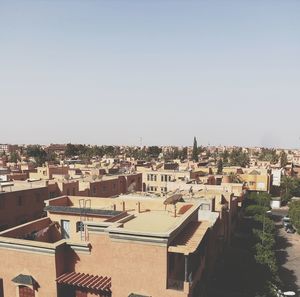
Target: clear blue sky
108 72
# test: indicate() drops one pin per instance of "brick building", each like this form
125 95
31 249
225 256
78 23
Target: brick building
125 246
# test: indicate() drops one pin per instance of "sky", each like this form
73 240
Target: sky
113 72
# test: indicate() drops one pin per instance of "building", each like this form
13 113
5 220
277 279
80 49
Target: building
7 148
121 247
157 181
20 203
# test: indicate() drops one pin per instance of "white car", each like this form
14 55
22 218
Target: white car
285 221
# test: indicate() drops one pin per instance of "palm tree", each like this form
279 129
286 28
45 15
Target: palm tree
234 178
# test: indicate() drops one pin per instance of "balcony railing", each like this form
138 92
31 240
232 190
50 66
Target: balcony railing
175 284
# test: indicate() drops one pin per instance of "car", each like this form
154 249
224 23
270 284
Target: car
288 225
285 221
290 230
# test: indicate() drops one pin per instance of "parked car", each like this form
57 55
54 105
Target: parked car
285 221
290 229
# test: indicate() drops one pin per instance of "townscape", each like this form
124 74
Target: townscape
86 220
149 148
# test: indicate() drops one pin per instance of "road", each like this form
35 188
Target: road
288 255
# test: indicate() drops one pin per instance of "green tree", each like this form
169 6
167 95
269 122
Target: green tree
290 187
195 151
239 158
71 150
220 166
153 151
269 155
14 157
294 213
38 153
225 157
263 243
283 159
234 178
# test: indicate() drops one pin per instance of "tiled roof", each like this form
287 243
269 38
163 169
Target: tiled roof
24 280
77 210
82 280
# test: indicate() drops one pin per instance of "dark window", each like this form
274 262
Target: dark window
79 226
73 192
26 292
68 192
1 288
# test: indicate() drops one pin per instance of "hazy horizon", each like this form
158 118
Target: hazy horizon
110 72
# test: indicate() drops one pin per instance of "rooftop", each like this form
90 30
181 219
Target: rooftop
20 186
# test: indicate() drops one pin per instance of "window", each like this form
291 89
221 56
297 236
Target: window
52 195
68 192
1 288
73 191
65 229
79 226
94 189
26 292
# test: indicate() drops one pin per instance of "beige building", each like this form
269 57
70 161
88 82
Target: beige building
125 246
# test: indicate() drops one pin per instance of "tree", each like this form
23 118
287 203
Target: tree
154 151
290 187
263 243
239 158
14 157
195 151
294 213
220 166
269 155
234 178
183 154
283 159
225 157
71 150
38 153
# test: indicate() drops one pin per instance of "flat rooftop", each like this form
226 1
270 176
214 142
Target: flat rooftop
152 221
20 186
139 213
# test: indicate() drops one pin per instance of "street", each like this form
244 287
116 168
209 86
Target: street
288 255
